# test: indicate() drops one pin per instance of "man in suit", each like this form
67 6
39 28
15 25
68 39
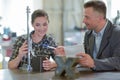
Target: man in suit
102 40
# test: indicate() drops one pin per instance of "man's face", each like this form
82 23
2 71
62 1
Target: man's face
91 18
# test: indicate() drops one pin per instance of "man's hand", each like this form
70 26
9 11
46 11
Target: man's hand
85 60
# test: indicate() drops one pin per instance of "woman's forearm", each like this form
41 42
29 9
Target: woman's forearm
13 64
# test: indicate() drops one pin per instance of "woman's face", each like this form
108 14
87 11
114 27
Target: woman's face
40 26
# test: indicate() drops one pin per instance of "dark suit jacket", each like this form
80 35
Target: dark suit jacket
108 57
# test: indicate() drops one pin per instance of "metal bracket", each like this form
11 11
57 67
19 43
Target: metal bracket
65 66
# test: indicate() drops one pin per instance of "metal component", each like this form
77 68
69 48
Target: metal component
65 66
29 68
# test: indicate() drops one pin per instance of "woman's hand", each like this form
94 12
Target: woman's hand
48 65
60 51
23 50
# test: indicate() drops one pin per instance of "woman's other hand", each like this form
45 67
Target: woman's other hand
60 51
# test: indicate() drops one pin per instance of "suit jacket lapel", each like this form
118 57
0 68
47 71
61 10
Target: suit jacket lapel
103 45
91 44
105 39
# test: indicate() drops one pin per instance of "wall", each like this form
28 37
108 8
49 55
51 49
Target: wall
64 14
14 15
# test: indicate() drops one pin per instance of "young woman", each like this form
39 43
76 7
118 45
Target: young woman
38 38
